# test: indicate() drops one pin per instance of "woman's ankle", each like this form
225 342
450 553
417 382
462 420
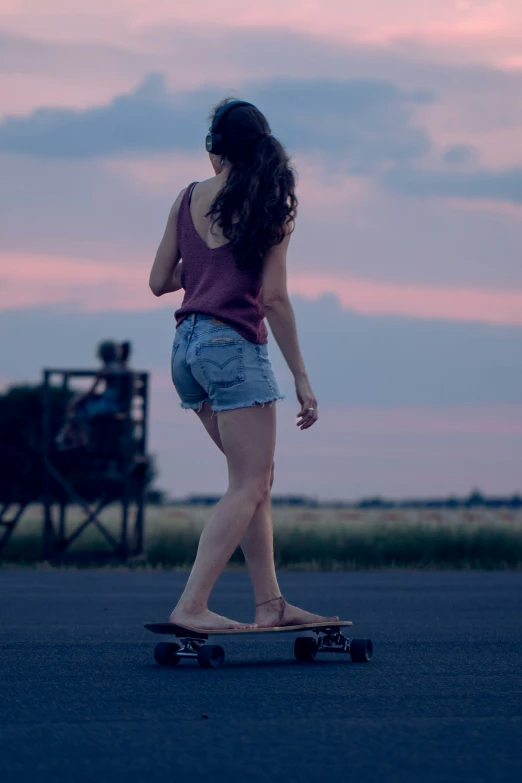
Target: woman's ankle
190 606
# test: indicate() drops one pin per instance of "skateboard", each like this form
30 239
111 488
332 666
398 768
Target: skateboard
192 643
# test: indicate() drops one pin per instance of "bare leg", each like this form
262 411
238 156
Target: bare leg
249 469
257 542
258 547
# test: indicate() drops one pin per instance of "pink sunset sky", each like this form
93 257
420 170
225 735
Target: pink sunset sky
403 120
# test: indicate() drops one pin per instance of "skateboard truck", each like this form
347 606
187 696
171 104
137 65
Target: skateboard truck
190 648
209 656
332 640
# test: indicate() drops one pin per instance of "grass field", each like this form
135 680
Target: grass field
319 538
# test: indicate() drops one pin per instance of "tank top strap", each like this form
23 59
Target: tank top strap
187 195
184 208
190 190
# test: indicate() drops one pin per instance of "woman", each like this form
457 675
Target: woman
232 231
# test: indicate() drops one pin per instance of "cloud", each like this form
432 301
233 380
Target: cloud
459 155
19 53
379 234
81 208
352 359
113 207
88 67
145 120
40 280
353 126
484 28
114 213
361 123
505 185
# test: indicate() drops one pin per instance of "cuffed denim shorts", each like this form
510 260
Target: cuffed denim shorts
212 362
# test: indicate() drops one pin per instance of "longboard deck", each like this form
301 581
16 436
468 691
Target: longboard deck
186 631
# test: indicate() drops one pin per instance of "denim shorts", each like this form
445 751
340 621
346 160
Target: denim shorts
212 362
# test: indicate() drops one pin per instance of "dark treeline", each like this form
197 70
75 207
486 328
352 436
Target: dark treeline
475 499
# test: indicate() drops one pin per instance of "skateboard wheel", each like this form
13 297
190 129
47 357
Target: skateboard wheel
305 648
361 650
165 653
210 656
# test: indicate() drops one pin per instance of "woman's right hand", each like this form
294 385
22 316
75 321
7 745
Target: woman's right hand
305 395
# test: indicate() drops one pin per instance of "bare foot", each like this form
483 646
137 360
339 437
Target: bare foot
206 620
278 613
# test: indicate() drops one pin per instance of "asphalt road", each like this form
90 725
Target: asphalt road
83 700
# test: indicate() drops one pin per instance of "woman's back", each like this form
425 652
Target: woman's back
200 202
213 282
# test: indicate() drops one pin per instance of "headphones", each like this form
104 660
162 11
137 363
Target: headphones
214 140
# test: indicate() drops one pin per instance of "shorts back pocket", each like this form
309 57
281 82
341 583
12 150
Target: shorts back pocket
221 360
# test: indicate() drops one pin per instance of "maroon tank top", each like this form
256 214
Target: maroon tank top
213 284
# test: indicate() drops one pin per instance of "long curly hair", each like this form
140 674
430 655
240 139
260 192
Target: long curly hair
258 198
